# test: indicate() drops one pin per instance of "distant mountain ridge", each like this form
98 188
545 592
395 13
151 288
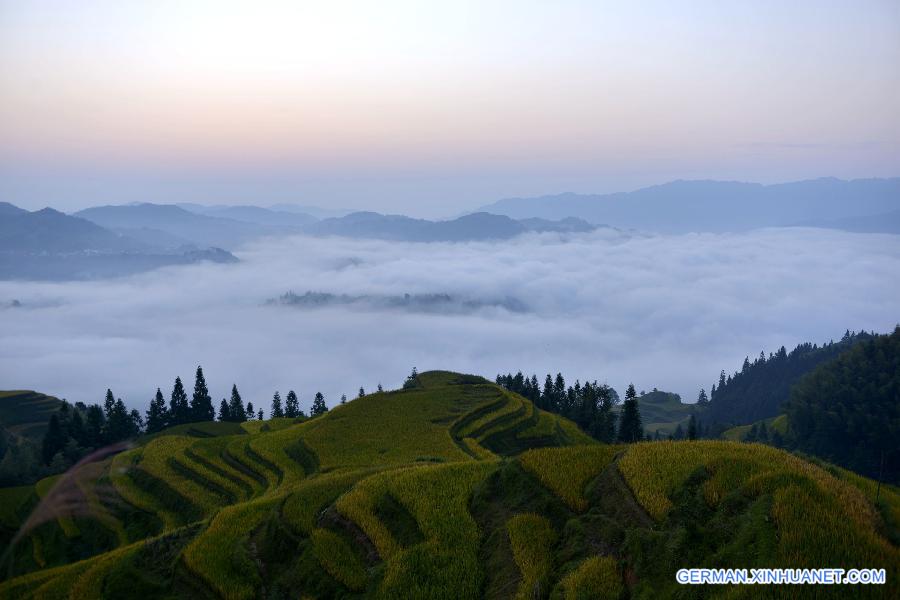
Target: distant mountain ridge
49 245
715 206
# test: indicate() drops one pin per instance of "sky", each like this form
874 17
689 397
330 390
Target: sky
659 311
434 108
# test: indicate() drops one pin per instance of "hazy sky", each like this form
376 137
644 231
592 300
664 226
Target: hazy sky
432 108
663 311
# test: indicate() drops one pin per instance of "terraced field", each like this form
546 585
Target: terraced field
453 489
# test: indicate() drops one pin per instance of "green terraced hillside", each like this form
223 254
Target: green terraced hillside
455 488
25 413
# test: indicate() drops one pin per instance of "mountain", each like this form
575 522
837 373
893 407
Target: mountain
50 231
200 230
472 227
254 214
888 222
760 389
49 245
9 210
449 488
314 211
715 206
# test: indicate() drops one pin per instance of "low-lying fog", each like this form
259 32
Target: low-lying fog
666 312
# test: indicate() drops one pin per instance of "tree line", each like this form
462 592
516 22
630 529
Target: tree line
589 405
74 431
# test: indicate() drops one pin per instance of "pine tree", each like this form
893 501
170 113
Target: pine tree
630 427
291 405
277 411
157 415
343 398
259 415
76 430
201 402
137 423
318 405
362 392
763 435
179 411
547 394
108 403
236 410
224 413
412 380
692 428
679 433
702 400
251 414
54 440
95 425
380 389
119 425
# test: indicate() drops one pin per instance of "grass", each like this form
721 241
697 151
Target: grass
595 578
220 555
567 471
303 506
819 518
338 558
14 503
532 537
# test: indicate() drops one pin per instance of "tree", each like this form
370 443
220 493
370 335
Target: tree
343 398
692 428
201 402
251 414
224 412
630 427
95 426
412 380
236 410
77 430
318 405
679 433
179 411
54 440
259 415
702 400
157 414
277 411
291 405
108 403
137 423
120 425
362 392
380 389
547 394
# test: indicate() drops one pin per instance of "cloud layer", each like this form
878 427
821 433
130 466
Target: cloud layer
665 311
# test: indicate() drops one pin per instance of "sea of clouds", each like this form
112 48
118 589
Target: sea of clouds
659 311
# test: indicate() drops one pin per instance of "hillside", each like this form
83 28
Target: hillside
454 488
663 412
760 389
716 206
847 411
25 413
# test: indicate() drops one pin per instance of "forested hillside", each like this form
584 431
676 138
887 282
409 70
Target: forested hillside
763 385
847 411
452 487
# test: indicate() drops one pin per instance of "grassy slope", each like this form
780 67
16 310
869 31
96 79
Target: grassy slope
431 492
25 413
663 411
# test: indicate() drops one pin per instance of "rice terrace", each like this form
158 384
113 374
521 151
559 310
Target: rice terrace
453 487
